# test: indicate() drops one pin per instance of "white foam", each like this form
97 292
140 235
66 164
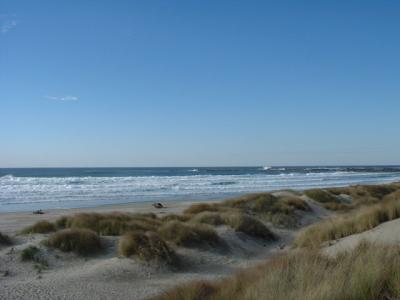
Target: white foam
62 190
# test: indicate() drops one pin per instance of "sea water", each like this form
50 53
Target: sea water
29 189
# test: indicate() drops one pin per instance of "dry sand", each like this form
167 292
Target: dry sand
12 222
108 276
387 233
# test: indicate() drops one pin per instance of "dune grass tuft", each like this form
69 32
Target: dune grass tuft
295 202
5 240
33 254
208 217
111 224
30 253
200 207
321 196
267 205
256 201
365 194
251 226
40 227
80 241
175 217
369 272
61 222
347 224
189 234
196 290
147 246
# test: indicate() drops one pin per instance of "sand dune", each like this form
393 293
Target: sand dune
110 276
387 233
107 276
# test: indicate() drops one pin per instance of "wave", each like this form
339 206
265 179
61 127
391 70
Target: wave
369 169
73 191
224 183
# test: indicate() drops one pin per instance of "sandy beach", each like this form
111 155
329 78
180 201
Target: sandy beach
14 221
109 275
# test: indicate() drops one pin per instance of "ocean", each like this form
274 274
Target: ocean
49 188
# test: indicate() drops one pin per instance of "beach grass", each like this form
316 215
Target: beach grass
251 226
80 241
349 223
40 227
368 272
201 207
110 224
279 210
30 253
176 217
208 217
147 246
350 197
190 234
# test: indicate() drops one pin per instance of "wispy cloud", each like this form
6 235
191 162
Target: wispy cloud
7 22
63 98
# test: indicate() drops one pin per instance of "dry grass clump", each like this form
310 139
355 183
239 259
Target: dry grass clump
331 198
380 190
200 207
348 224
5 239
195 290
251 226
148 247
80 241
40 227
279 210
321 196
295 202
61 222
207 217
283 220
337 206
392 196
111 223
369 272
268 203
255 201
189 234
175 217
366 194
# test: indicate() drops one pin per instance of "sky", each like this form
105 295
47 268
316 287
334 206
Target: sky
199 83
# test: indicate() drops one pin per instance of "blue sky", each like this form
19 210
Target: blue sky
179 83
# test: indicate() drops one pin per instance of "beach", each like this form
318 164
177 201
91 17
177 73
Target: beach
12 222
276 220
108 275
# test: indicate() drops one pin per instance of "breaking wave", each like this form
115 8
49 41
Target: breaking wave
29 192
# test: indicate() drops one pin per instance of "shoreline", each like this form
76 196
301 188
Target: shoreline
12 222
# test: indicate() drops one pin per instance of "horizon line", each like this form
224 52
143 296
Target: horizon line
209 166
